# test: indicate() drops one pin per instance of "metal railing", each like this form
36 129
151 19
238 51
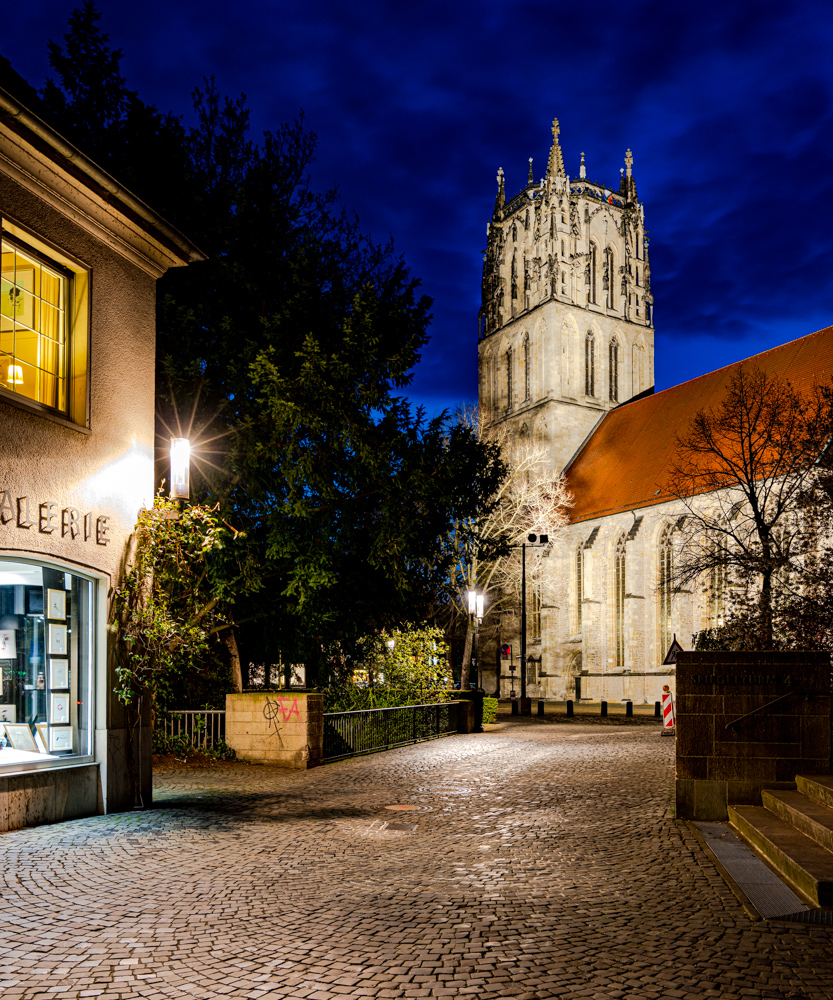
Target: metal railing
202 729
347 734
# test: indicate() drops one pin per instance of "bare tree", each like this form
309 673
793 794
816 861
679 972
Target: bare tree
743 472
528 500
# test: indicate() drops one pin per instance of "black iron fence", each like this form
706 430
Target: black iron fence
349 733
202 729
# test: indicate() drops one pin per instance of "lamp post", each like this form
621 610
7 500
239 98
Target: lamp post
533 541
477 603
180 468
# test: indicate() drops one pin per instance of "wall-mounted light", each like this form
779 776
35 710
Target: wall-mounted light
180 468
15 375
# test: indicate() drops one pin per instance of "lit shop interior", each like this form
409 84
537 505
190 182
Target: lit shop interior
46 665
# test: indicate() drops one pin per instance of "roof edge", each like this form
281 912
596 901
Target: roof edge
62 150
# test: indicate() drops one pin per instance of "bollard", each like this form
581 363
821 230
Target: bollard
540 708
604 708
657 709
629 709
569 709
514 706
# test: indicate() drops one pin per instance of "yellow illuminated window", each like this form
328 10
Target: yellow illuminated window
33 328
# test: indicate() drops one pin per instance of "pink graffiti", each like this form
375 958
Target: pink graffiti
288 713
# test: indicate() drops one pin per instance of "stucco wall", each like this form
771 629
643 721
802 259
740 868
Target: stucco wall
107 471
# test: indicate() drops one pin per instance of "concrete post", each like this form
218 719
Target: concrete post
283 728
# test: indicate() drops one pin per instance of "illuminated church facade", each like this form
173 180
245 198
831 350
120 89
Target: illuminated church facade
566 364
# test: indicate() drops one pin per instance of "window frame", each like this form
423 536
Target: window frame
97 688
77 335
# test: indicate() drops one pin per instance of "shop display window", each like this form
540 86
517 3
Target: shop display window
46 664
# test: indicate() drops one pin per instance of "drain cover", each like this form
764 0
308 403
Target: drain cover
401 827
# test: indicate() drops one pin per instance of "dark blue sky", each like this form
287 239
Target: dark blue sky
727 107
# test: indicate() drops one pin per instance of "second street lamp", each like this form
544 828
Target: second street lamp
477 603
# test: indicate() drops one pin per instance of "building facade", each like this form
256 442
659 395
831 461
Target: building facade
566 362
566 328
80 260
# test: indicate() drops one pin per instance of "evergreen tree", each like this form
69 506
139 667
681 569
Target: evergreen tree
284 357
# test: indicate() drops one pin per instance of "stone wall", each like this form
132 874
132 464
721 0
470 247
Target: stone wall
52 796
286 729
727 755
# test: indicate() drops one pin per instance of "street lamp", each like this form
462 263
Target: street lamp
477 603
180 468
533 541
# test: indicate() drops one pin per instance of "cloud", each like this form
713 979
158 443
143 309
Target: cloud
727 108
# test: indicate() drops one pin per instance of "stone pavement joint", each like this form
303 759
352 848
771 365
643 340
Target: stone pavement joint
544 863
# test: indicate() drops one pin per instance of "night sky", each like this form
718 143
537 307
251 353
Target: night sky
726 106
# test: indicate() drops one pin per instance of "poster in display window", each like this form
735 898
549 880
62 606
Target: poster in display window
42 737
20 737
57 640
58 708
58 674
60 738
8 713
8 647
57 604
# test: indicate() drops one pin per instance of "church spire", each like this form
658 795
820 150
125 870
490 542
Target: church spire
500 200
628 185
555 164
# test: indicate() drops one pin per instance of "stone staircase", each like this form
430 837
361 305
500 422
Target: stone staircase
793 831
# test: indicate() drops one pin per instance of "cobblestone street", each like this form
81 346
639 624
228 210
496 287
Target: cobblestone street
541 860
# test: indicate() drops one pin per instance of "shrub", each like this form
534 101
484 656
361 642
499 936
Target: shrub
489 710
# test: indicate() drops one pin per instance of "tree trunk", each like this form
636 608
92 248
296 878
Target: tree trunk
464 673
766 607
230 641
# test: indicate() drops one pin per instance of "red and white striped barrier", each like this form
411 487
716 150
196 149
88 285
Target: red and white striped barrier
667 708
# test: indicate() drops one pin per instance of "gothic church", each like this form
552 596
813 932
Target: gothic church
566 362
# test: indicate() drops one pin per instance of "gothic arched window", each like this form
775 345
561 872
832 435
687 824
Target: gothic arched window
509 379
593 266
589 365
619 599
665 590
562 248
613 371
535 611
527 369
609 278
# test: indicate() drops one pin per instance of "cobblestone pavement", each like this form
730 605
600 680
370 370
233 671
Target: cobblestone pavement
541 861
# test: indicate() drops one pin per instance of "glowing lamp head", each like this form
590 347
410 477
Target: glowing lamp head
180 468
472 601
481 600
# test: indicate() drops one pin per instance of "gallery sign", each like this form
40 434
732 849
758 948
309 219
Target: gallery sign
49 517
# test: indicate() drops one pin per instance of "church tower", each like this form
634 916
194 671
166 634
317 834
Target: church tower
566 322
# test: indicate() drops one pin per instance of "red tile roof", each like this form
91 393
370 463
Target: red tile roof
624 464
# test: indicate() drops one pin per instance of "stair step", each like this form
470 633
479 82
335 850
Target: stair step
805 814
799 859
817 786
